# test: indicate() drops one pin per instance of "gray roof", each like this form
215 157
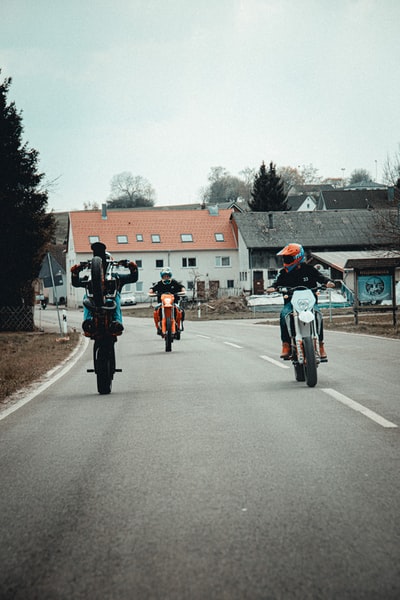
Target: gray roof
346 259
316 229
353 199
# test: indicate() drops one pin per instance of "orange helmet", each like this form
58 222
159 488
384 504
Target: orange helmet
293 255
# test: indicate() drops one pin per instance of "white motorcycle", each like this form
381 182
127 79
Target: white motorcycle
304 324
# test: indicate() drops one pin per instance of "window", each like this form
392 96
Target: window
155 238
190 285
139 286
122 239
139 263
159 263
230 283
219 237
139 237
186 237
188 262
93 239
222 261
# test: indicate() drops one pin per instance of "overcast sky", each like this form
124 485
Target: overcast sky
167 89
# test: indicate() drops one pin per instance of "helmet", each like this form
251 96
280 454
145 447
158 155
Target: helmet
166 273
293 255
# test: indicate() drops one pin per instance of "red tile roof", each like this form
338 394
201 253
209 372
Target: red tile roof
169 225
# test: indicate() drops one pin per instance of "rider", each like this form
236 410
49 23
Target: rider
167 285
99 249
296 272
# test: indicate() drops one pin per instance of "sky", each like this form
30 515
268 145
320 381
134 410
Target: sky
168 89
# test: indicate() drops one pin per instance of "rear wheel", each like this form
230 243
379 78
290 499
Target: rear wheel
310 363
104 363
168 335
98 281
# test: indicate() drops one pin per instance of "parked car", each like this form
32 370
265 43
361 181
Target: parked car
128 299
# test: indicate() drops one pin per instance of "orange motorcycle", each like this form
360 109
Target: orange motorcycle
168 319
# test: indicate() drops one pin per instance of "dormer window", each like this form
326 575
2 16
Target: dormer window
122 239
186 237
155 238
139 237
219 237
93 239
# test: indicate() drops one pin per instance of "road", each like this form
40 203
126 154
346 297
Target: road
208 473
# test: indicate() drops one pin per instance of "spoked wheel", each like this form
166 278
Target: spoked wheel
168 335
104 366
97 272
310 363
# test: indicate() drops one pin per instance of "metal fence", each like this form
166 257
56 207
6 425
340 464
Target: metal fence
17 318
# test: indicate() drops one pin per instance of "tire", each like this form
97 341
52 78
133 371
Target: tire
168 335
98 281
104 365
310 363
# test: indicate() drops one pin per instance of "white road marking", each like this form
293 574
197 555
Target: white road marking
206 337
36 389
359 408
233 345
275 362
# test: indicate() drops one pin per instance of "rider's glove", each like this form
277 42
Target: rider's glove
124 262
76 268
133 266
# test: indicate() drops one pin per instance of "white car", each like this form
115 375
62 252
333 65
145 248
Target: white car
128 299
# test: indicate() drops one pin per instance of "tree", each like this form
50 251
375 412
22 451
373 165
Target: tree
26 227
359 176
268 191
291 177
224 187
128 191
391 169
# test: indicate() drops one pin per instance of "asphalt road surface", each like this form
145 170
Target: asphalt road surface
207 473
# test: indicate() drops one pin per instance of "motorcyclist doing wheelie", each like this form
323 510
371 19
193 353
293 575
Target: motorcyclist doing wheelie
121 279
164 286
296 272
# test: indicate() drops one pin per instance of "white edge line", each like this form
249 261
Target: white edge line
359 408
233 345
70 362
275 362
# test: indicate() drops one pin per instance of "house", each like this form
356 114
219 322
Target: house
302 202
261 235
199 245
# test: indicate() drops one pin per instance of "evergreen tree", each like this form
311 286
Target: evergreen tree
268 191
26 228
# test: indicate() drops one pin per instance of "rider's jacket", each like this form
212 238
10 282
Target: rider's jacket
167 288
304 275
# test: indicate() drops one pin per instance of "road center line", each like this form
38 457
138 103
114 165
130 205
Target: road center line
359 408
275 362
233 345
206 337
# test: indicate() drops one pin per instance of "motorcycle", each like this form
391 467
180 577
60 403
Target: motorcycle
170 329
304 324
101 291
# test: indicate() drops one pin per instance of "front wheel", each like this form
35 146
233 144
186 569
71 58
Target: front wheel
168 335
310 363
97 273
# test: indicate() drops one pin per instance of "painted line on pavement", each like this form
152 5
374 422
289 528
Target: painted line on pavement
70 361
233 345
275 362
359 408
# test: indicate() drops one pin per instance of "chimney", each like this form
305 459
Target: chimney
270 221
104 211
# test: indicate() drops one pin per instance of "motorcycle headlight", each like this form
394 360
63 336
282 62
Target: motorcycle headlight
304 304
